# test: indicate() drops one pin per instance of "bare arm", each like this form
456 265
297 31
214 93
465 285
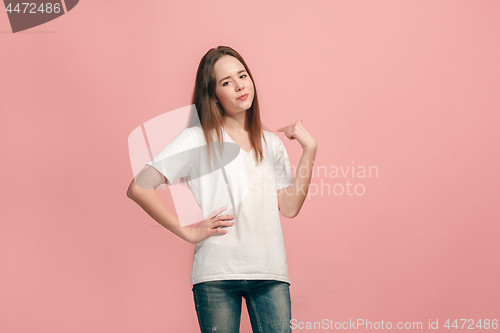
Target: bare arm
146 196
291 198
153 205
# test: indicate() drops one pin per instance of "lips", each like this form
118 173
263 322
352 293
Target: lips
243 97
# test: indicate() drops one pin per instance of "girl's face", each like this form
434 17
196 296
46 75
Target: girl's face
232 82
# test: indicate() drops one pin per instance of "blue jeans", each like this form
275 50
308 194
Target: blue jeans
218 305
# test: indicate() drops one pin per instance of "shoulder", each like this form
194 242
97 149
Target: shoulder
196 130
270 135
272 139
186 139
274 145
196 133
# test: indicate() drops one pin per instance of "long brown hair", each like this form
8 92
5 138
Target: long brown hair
211 113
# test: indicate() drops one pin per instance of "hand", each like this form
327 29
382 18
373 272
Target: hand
209 226
298 131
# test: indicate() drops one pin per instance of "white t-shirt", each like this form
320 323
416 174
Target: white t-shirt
253 248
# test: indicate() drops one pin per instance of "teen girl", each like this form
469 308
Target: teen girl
238 253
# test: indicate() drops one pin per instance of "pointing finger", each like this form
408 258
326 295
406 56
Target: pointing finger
281 129
284 128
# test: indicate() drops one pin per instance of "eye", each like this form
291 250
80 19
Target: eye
225 83
243 75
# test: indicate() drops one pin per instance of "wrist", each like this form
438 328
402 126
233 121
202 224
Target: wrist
311 149
185 233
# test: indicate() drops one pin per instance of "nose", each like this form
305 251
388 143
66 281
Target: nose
239 86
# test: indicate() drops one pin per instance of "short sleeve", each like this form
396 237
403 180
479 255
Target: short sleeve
282 166
175 160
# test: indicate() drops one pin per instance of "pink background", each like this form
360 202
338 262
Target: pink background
411 87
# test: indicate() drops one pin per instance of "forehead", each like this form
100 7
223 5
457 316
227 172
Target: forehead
227 65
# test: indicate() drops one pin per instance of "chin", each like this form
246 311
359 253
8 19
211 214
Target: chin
245 106
250 103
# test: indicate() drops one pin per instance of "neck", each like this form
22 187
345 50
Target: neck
236 123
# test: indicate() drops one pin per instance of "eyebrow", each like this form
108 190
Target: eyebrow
243 70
